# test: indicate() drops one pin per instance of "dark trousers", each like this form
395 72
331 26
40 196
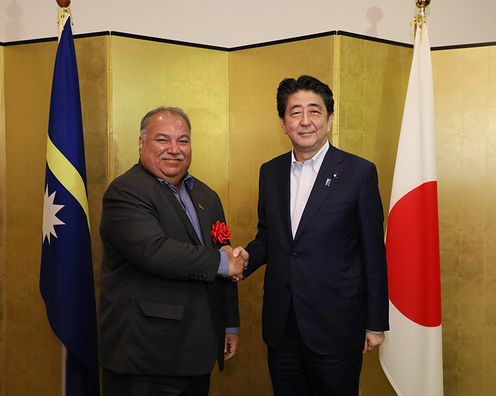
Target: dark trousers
295 370
114 384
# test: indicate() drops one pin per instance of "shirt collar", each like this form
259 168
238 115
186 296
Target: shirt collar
316 161
188 180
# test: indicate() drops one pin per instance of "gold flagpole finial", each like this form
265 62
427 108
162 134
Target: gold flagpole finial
63 12
419 19
422 4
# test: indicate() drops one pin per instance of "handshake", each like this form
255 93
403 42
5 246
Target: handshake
238 261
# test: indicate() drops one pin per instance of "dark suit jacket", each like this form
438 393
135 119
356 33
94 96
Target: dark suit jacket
335 267
162 309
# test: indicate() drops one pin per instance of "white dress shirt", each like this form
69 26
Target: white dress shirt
303 177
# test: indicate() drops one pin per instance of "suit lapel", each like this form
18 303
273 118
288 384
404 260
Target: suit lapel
324 185
181 213
283 176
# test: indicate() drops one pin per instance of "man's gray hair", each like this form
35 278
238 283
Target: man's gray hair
163 110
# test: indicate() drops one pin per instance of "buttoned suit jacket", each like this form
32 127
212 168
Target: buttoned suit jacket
334 268
163 311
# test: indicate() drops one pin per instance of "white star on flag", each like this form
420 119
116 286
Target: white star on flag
50 220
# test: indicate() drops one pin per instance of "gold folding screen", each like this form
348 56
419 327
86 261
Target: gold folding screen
465 89
230 97
148 74
30 351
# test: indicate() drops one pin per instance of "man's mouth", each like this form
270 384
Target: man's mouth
171 159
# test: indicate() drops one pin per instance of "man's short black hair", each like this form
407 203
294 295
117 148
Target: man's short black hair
289 86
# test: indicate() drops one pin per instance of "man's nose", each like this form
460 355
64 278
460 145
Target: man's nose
173 147
305 119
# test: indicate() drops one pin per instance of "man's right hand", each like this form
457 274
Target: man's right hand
236 264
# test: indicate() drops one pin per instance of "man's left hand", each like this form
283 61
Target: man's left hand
230 345
372 340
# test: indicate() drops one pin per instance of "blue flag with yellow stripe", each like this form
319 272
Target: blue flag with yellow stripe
66 277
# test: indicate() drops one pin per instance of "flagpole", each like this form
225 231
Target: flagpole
64 359
61 19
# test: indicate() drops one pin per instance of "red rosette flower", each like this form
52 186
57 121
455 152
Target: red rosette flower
220 232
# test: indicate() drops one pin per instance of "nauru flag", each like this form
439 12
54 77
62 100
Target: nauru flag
411 355
66 274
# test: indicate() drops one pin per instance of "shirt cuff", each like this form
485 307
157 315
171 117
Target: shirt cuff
223 270
232 330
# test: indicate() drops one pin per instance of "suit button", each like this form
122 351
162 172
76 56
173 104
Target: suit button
294 255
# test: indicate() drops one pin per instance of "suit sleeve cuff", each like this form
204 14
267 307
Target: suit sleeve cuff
223 270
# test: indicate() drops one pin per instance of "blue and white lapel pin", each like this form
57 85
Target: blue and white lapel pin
334 176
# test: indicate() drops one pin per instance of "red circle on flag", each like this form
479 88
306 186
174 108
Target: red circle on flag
412 247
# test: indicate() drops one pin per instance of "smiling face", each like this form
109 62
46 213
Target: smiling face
306 122
165 148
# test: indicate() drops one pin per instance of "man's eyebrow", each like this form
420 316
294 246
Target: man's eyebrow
295 106
318 105
315 105
166 135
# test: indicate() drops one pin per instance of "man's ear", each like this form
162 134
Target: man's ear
330 119
140 143
283 125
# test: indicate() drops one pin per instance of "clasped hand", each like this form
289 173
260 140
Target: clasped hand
238 261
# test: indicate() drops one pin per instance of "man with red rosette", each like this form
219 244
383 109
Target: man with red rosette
320 234
168 309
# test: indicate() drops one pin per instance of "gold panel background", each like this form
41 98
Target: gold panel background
32 352
465 99
231 100
373 80
148 74
31 349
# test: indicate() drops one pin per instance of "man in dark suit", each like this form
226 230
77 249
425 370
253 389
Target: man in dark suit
320 232
168 309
